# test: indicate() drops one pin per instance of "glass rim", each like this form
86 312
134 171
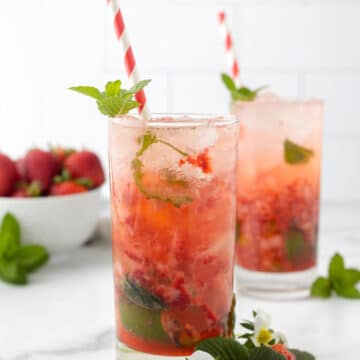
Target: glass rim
177 120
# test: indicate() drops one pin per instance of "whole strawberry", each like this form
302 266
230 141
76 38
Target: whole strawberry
67 188
281 349
8 175
61 153
85 164
41 166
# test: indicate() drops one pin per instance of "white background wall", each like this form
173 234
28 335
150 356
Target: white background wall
301 47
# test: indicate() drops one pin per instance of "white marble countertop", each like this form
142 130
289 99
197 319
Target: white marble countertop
67 312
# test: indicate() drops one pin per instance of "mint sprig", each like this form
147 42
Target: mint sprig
341 280
114 100
146 141
242 93
17 260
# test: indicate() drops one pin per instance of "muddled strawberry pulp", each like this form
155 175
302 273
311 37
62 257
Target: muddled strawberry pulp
173 246
277 228
278 184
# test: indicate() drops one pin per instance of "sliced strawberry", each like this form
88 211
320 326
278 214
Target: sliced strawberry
281 349
8 175
41 166
67 188
85 164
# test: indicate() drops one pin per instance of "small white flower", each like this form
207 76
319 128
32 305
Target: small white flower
280 338
262 332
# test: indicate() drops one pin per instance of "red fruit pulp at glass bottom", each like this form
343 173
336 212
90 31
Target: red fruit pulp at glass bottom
184 256
265 217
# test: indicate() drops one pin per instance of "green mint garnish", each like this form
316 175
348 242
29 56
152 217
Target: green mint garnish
296 154
17 260
296 246
141 296
341 280
113 101
146 141
242 93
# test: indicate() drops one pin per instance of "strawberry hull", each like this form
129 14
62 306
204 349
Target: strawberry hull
173 238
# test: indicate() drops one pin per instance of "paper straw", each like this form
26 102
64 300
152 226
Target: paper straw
232 61
129 59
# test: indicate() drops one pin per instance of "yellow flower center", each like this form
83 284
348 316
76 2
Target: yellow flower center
264 336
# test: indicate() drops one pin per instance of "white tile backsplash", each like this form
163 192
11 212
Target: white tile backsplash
300 47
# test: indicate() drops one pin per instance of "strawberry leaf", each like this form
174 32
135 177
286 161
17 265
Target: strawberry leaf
224 349
302 355
265 353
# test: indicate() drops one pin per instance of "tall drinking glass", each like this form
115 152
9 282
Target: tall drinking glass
278 195
173 198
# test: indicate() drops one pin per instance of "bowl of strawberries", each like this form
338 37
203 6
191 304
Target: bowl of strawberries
55 194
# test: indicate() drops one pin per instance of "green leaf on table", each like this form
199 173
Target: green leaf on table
224 349
12 272
342 280
336 269
88 91
31 257
321 288
10 234
265 353
350 292
140 296
296 154
302 355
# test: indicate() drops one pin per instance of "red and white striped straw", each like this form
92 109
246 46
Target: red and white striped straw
229 47
129 59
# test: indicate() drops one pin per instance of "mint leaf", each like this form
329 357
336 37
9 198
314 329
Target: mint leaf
12 272
265 353
296 246
245 94
114 101
224 349
88 91
229 82
302 355
141 296
321 288
139 86
32 257
350 292
9 236
336 268
350 277
296 154
112 88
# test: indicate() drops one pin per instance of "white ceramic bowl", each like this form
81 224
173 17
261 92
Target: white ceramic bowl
61 223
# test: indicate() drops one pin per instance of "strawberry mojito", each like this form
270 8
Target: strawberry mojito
278 192
173 186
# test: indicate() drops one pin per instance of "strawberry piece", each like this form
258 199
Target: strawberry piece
85 164
67 188
41 166
281 349
8 175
